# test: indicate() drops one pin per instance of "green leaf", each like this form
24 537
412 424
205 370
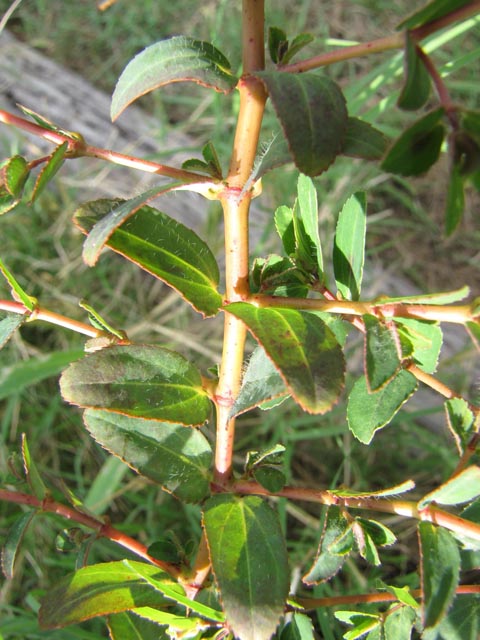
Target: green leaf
399 623
432 11
163 247
426 340
303 104
416 89
9 325
278 276
445 297
140 381
465 151
34 479
463 619
277 43
368 412
15 173
379 533
284 226
403 595
174 456
7 201
460 421
327 563
270 476
302 348
381 353
179 625
129 626
349 246
440 571
461 488
300 627
298 43
417 148
210 156
398 489
97 321
15 378
100 589
18 292
48 125
362 623
107 482
363 141
249 561
308 250
177 59
455 204
13 541
54 163
274 153
261 382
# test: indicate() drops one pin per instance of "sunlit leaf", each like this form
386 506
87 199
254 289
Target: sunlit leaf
130 626
140 381
382 360
460 421
368 412
303 103
174 456
177 59
463 619
300 627
445 297
249 561
398 489
308 253
416 89
461 488
426 339
49 170
361 622
284 226
399 623
302 348
163 247
9 324
349 247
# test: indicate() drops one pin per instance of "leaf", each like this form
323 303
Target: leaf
48 125
362 622
349 246
13 541
303 104
100 589
249 561
300 627
163 247
417 148
176 457
440 571
426 339
460 421
302 348
7 201
18 293
381 353
139 381
179 625
278 276
15 378
398 489
15 173
298 43
55 161
271 477
308 250
274 153
277 43
445 297
363 141
174 60
34 479
368 412
9 325
432 11
463 619
455 204
461 488
285 229
399 623
328 563
403 595
129 626
416 89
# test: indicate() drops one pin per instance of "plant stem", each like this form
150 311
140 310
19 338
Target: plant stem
103 529
236 205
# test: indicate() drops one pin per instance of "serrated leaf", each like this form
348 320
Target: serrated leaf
455 204
177 625
177 59
327 563
460 421
13 541
210 156
261 382
463 619
379 533
398 489
440 571
362 623
139 381
403 595
278 276
165 248
302 348
417 148
303 104
249 561
272 455
284 226
368 412
129 626
174 456
9 324
432 11
49 170
426 339
445 297
277 43
100 589
349 246
382 360
300 627
399 623
15 378
48 125
7 201
15 173
462 488
18 292
34 479
363 141
308 250
297 44
274 153
416 89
